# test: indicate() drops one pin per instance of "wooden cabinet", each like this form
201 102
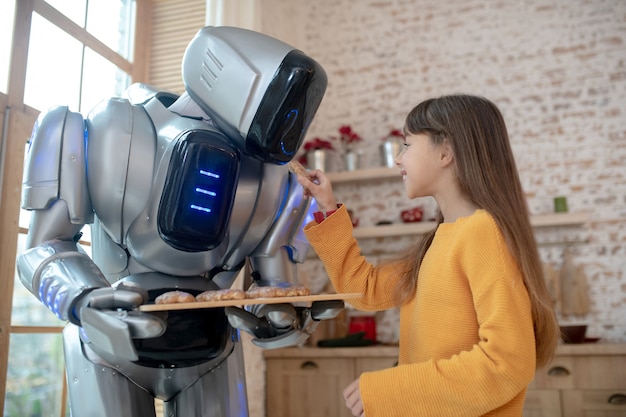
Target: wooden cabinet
586 380
308 386
308 382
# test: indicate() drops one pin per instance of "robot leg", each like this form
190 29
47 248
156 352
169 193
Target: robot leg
98 390
218 393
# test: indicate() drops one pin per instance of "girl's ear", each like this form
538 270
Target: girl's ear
446 156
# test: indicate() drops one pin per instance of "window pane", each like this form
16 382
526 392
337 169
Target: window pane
112 22
24 220
102 79
54 67
7 10
35 375
74 10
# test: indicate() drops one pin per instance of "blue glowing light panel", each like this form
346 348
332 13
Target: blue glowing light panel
199 192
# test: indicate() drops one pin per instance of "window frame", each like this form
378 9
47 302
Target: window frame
16 121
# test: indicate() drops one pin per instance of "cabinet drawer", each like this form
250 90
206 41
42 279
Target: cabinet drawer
311 387
594 403
600 372
542 403
582 372
559 374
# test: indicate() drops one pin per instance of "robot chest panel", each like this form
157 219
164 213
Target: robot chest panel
198 192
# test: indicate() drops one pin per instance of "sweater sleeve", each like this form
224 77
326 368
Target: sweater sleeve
347 269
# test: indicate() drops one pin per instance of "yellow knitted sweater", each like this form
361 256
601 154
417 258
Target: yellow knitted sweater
467 344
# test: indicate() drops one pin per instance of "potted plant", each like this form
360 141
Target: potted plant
390 148
348 139
315 152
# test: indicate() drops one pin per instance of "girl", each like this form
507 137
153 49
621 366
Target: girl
476 318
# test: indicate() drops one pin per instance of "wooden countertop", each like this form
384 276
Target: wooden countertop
375 351
378 351
599 348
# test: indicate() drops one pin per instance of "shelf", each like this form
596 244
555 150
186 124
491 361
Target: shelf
364 175
404 229
559 219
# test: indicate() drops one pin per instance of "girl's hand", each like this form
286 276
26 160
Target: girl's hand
352 395
318 186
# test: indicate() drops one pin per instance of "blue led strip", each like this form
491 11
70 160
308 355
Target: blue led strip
205 191
209 174
200 208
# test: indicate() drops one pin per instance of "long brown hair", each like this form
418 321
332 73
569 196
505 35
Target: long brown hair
487 175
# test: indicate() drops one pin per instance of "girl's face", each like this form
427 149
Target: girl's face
420 165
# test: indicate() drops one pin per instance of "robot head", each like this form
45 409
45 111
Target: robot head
261 92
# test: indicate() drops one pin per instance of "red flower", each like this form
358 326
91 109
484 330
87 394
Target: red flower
394 134
318 143
347 135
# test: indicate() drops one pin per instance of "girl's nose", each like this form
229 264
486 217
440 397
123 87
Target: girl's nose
398 158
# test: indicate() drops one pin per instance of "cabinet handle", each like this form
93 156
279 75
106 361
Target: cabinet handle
558 371
308 365
617 399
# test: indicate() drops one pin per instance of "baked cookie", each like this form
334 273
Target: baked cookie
273 292
221 295
174 297
297 168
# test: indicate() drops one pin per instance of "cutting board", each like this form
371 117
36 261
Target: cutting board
303 299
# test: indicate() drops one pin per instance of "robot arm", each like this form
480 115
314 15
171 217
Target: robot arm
59 275
275 259
274 263
54 268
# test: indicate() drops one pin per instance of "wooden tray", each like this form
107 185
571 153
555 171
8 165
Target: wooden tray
303 299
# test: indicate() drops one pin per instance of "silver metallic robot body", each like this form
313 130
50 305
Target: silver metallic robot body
179 193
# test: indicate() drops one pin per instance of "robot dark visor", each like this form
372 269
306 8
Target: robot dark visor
287 109
199 191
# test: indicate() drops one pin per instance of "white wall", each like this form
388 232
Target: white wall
557 69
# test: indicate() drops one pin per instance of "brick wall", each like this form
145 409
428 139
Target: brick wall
556 69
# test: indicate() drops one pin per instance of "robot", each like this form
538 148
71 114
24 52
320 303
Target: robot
180 192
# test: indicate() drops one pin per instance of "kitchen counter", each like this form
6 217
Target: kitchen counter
599 348
338 352
582 379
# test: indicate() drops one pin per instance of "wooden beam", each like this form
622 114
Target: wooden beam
142 48
36 329
66 24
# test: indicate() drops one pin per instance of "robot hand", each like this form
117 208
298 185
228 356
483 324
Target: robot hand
109 323
112 298
282 325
